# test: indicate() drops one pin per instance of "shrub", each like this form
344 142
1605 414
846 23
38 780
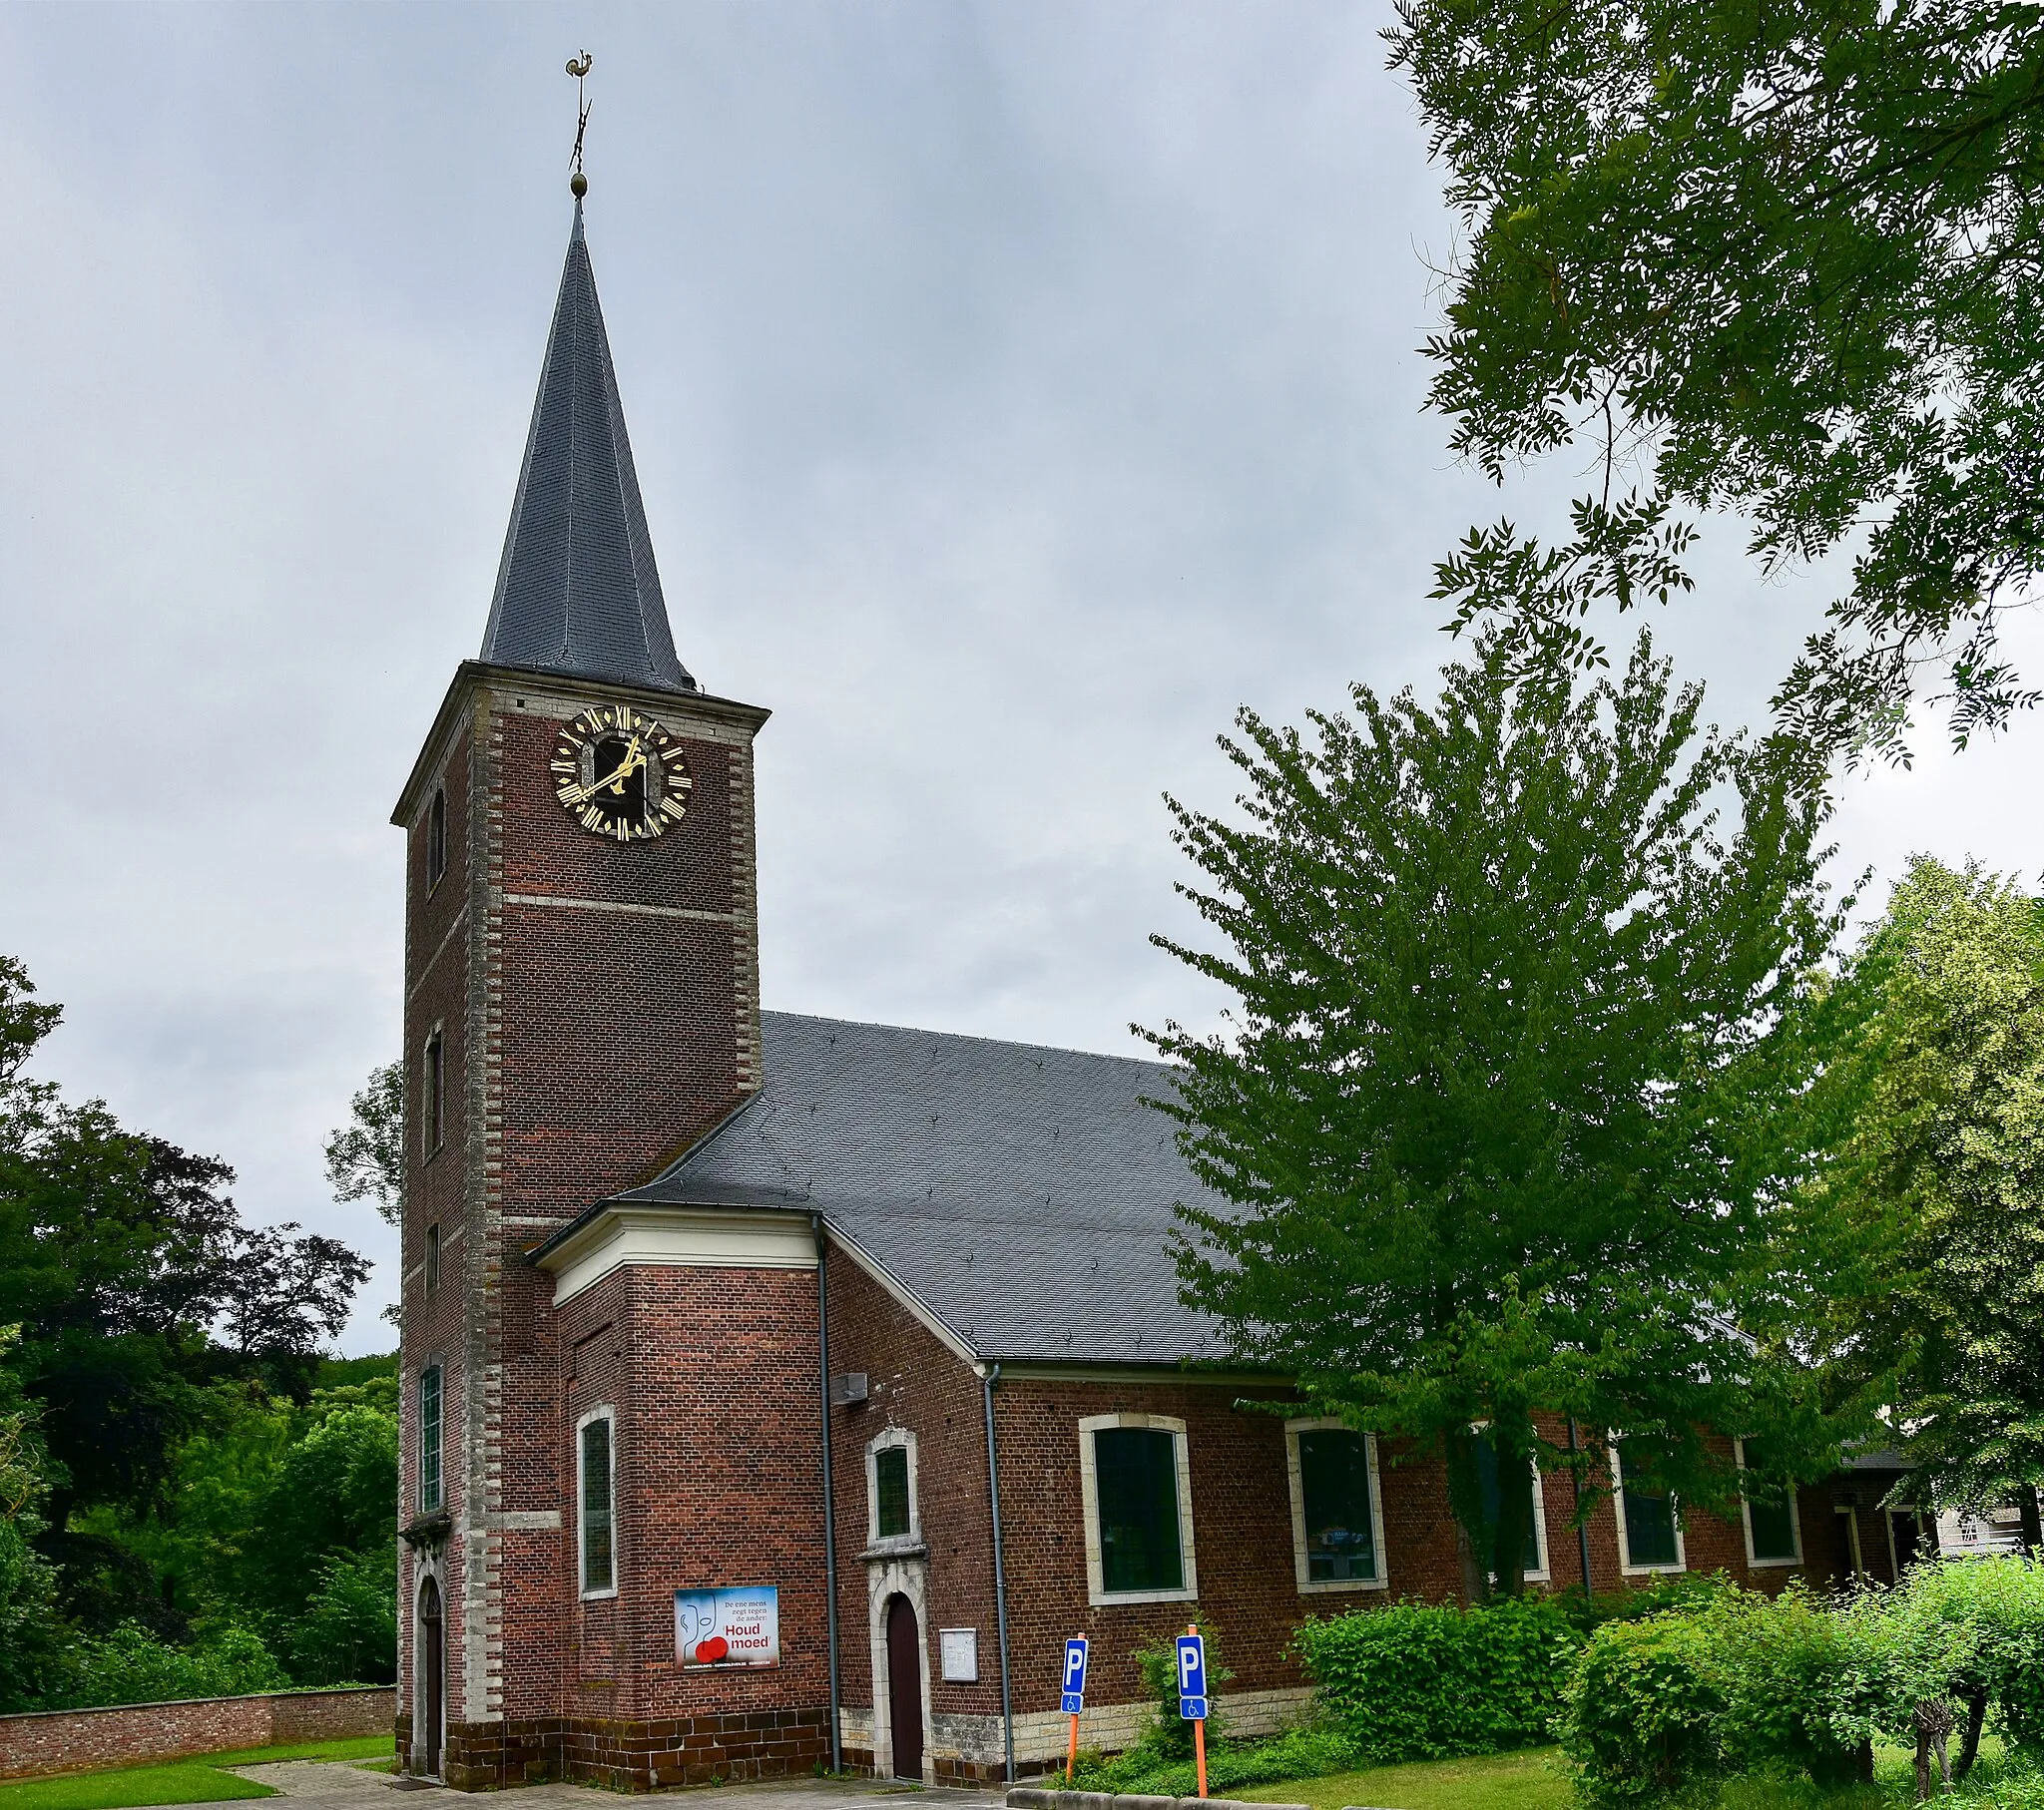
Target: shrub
2000 1602
1791 1675
131 1665
32 1639
1412 1681
1231 1765
1641 1717
348 1632
1169 1737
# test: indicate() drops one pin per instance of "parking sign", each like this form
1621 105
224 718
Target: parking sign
1075 1677
1192 1677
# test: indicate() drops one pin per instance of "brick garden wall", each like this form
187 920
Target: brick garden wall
83 1740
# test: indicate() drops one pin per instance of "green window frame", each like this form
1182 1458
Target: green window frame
893 1510
1337 1506
596 1464
1136 1495
431 1498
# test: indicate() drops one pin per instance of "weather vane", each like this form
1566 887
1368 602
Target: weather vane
578 66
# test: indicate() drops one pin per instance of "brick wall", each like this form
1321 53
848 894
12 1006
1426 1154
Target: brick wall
82 1740
920 1385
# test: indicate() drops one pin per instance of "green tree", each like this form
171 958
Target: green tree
1931 1224
1515 1085
138 1290
32 1638
1780 259
335 1492
366 1157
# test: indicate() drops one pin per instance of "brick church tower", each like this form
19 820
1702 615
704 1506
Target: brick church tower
580 1001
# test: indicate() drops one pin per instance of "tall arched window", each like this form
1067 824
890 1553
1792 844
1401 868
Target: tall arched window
595 1467
430 1497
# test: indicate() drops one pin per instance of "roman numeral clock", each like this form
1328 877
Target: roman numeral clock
621 775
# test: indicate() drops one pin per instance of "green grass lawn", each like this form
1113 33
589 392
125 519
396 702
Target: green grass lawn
1538 1779
1534 1779
194 1782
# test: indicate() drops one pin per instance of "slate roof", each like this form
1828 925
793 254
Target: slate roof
1023 1195
577 589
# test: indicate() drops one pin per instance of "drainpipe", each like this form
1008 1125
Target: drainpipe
830 1500
988 1379
1582 1526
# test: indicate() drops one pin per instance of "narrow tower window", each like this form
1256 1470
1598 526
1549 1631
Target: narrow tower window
432 1094
429 1441
598 1560
434 1257
436 839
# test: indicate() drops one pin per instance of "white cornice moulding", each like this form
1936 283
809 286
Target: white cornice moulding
679 1237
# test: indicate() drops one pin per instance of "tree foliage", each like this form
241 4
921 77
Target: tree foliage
133 1282
1782 259
366 1157
1515 1087
1931 1224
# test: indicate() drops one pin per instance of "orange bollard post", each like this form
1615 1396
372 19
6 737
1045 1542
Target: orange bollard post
1198 1731
1072 1751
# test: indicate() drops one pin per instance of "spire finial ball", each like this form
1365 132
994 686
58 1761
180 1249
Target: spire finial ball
578 185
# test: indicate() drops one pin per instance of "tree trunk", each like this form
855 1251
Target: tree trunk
1969 1748
2033 1524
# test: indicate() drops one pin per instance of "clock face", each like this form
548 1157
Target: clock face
620 774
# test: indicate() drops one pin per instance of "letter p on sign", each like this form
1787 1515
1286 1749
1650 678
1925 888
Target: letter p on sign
1192 1677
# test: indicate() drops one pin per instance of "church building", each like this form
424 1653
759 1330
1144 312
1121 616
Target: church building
783 1392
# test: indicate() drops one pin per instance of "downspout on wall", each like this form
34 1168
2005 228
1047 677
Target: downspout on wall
988 1378
829 1499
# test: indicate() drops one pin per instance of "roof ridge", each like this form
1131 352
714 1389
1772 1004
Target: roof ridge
968 1037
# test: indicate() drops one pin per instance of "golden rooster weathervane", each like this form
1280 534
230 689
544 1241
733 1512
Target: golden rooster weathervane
579 67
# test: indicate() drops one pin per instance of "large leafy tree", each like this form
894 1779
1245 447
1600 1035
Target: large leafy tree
1515 1087
137 1289
1931 1225
1776 258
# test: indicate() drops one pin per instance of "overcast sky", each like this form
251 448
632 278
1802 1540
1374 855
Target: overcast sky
1016 389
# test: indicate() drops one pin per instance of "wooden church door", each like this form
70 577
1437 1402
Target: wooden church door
904 1687
432 1670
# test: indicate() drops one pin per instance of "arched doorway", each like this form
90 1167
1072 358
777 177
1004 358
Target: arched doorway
432 1655
904 1687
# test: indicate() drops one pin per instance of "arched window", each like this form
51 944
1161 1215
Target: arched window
890 1486
594 1471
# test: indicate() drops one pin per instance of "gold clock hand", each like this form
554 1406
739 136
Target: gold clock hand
635 759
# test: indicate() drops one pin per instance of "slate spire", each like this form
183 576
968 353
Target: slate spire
577 589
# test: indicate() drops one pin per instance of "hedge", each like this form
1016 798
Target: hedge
1412 1681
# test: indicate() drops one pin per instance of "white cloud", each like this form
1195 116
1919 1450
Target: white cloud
1015 391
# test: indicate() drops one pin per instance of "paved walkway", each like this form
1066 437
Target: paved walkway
336 1785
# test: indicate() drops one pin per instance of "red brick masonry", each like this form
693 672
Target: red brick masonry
80 1741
